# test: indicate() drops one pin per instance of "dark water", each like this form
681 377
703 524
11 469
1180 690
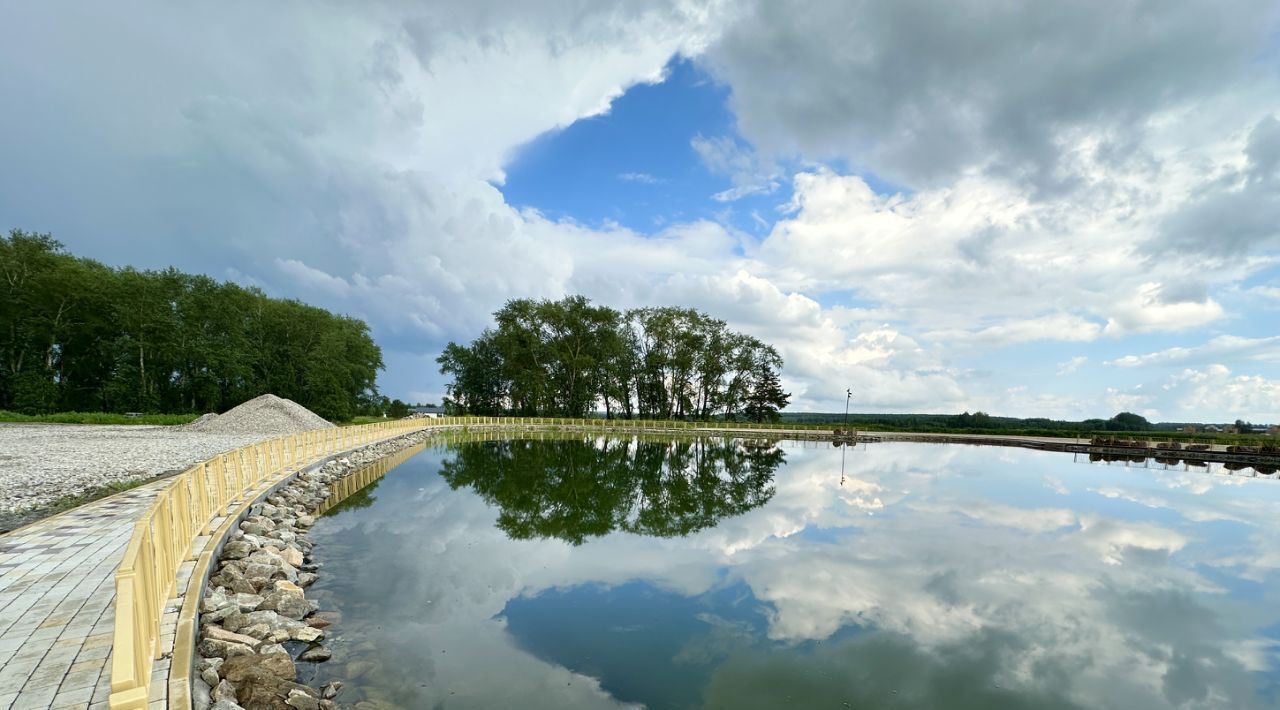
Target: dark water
594 573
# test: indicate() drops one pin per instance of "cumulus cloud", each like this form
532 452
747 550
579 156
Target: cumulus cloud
1211 393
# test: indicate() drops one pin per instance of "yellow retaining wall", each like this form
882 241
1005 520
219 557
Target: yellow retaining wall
162 539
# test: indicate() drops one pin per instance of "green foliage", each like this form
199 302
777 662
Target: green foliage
566 358
78 336
397 409
574 490
95 418
1128 421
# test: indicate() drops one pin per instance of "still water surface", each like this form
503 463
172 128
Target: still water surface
603 573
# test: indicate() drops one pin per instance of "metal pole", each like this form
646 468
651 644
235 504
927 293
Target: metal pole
848 394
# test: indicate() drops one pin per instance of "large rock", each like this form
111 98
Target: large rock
208 668
266 556
238 549
247 602
262 691
260 576
213 648
255 528
232 577
306 634
214 600
218 633
240 668
285 536
292 556
223 691
265 617
315 653
288 604
300 700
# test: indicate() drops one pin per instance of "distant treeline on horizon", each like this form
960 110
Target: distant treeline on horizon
1124 421
76 335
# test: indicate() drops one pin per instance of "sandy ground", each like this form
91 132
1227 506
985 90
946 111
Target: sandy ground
42 462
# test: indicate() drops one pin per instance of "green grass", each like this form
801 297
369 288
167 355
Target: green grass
366 420
94 418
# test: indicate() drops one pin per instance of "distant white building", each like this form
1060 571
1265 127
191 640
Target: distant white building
428 412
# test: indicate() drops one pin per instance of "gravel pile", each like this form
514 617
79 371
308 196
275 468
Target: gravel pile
271 414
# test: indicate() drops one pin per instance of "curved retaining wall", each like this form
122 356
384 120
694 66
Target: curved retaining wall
188 509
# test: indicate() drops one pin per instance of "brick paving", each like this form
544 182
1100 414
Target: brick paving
57 590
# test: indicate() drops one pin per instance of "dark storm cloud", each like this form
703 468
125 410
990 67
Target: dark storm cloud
922 90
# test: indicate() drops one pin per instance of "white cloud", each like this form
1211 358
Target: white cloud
1208 394
1056 326
1270 292
1216 390
1219 348
1070 366
725 156
644 178
1148 310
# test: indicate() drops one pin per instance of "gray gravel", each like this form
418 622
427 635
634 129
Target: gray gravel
40 463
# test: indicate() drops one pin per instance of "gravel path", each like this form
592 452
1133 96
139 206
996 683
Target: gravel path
42 462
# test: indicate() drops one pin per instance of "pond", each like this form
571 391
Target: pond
711 573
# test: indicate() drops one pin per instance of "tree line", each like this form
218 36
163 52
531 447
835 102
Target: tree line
980 421
571 358
76 335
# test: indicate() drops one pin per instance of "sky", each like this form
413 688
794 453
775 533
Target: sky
1029 209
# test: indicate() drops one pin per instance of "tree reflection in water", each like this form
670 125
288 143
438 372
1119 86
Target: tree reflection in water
576 489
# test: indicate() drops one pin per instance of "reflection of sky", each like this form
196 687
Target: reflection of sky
935 576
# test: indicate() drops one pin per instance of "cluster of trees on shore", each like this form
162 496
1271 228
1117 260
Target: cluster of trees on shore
76 335
570 358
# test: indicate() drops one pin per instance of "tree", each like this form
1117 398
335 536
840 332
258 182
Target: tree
767 397
569 357
77 335
1128 421
397 409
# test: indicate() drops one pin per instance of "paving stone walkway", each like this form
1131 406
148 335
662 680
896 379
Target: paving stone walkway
56 613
